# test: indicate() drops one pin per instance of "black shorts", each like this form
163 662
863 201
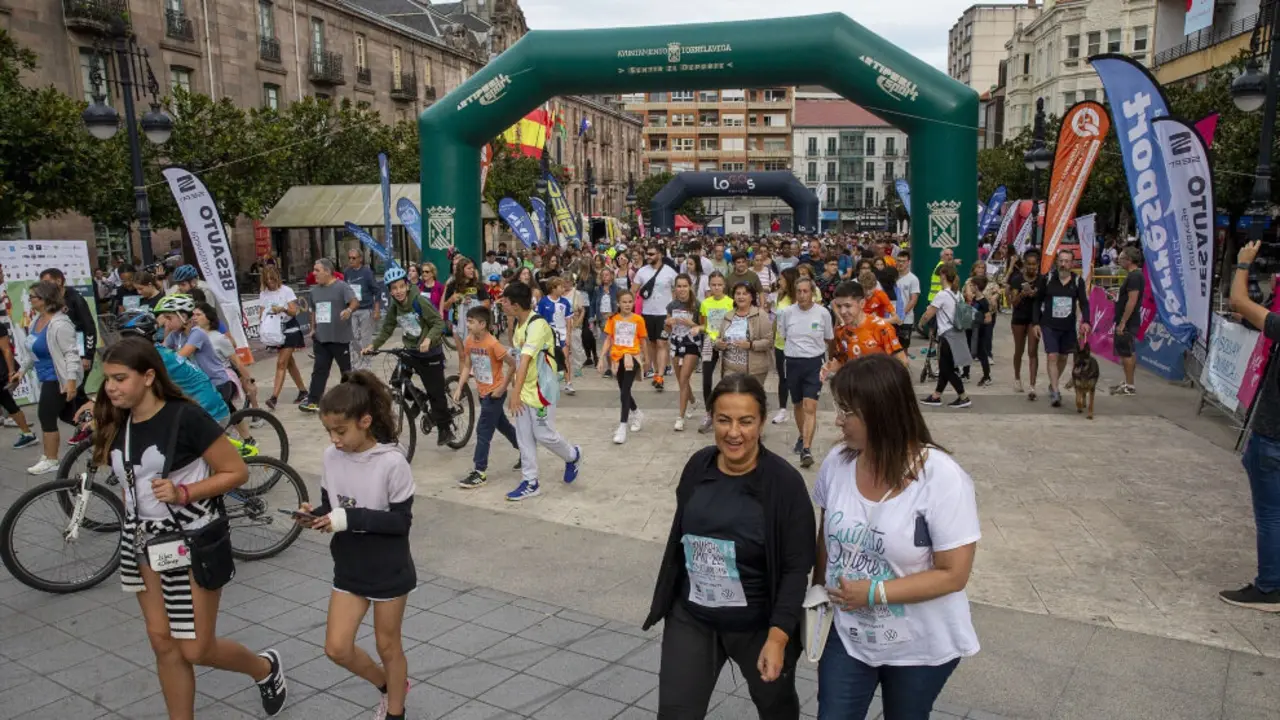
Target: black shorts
656 327
1124 341
686 347
53 406
1058 342
804 378
905 331
293 335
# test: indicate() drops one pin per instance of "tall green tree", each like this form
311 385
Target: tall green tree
515 176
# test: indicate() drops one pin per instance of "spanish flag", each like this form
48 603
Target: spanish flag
529 136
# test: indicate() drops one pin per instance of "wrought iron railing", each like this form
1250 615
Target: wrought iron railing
269 49
95 14
404 86
325 67
1206 38
178 26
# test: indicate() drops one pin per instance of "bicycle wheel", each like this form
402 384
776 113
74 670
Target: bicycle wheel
406 428
266 433
75 464
462 414
258 530
40 548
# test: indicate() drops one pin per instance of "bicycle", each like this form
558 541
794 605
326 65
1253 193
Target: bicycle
251 510
414 406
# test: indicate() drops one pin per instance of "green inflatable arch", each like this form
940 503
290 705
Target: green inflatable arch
939 114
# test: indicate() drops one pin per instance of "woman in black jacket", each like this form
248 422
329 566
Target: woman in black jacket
734 573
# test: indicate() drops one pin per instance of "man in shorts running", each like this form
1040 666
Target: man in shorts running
653 284
807 333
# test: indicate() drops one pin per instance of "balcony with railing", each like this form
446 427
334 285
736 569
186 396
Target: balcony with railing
404 86
1206 38
178 26
364 75
95 16
325 68
891 152
269 49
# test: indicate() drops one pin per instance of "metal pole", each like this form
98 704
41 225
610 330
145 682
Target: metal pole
142 204
1262 180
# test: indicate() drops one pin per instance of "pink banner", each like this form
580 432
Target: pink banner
1103 326
1208 127
1257 364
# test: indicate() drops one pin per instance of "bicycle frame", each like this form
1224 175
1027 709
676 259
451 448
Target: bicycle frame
77 514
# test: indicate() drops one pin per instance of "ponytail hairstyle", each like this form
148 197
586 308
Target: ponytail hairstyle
362 393
142 357
692 303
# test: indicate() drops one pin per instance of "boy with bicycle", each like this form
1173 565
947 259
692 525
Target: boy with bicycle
422 330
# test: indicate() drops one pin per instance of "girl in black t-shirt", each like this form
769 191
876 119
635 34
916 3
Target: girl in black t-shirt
140 414
1023 281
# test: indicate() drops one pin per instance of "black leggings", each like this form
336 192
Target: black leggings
708 378
780 362
7 402
430 370
626 378
947 370
53 406
589 344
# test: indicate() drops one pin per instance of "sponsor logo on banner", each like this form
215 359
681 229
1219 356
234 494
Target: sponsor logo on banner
1002 235
411 219
1231 351
440 227
1191 203
891 81
1080 141
565 225
1199 16
1136 101
992 211
733 184
675 51
363 236
904 192
488 93
518 220
1085 230
944 224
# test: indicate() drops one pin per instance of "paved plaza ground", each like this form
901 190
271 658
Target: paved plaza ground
1104 544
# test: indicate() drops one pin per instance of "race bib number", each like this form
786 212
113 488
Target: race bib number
681 329
172 555
324 313
409 325
712 564
131 302
1062 307
482 367
359 291
606 304
715 319
625 334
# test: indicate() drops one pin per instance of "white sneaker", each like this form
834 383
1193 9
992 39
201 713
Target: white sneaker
620 436
679 424
780 417
9 422
568 388
637 420
44 467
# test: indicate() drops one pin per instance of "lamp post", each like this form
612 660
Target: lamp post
591 193
631 200
540 187
1252 91
102 121
1037 158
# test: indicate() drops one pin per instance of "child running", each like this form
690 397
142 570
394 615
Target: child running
682 326
366 502
713 310
623 334
489 362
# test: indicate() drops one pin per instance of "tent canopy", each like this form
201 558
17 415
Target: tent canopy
684 223
305 206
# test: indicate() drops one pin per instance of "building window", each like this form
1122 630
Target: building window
772 165
1091 95
1073 47
708 143
654 169
271 97
731 120
709 118
180 77
1068 99
831 196
362 56
774 144
317 36
1095 43
869 198
322 96
682 96
89 61
888 171
850 196
775 120
733 95
871 147
426 72
682 119
813 146
778 95
708 96
679 167
1026 63
684 144
831 171
812 174
831 146
1140 39
734 144
890 146
658 143
396 66
657 120
965 65
871 172
266 20
733 166
658 97
1113 40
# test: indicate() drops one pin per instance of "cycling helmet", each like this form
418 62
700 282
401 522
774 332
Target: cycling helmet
185 273
393 274
136 323
494 278
177 303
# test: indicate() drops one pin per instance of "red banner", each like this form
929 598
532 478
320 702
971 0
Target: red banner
261 240
1084 128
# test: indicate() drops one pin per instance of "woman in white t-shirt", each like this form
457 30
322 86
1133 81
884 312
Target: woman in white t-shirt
279 301
953 346
898 532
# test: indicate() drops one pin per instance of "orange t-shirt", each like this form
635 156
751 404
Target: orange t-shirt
890 261
627 332
878 304
487 357
874 335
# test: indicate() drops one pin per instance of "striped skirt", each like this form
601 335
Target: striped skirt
175 585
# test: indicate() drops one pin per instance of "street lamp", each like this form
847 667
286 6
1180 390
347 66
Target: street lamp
540 187
1037 158
1252 91
102 121
591 193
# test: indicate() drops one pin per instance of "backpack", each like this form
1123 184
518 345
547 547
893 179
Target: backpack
966 316
548 366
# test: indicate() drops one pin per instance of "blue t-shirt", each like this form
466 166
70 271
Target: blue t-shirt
195 384
557 313
45 372
206 356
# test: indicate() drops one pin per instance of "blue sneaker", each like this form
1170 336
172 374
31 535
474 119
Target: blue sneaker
525 491
25 441
571 468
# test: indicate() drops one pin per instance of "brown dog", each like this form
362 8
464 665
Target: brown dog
1084 377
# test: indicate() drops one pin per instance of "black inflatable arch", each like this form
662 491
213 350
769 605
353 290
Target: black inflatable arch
780 184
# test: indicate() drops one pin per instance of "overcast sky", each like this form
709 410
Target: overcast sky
919 26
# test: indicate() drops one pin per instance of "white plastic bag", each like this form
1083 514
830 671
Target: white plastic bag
271 330
818 613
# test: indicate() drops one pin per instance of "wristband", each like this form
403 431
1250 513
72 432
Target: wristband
871 594
1244 266
884 599
186 494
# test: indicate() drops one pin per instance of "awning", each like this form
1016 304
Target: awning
684 223
306 206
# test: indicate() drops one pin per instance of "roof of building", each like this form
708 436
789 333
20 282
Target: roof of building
834 113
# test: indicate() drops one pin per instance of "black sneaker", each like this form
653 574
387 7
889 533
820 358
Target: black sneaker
931 401
474 480
273 688
1251 597
271 403
302 397
798 447
806 458
960 402
607 373
444 436
985 382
